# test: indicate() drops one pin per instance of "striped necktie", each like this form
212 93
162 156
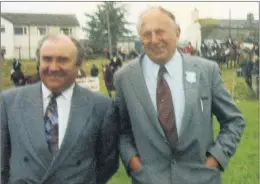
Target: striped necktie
51 120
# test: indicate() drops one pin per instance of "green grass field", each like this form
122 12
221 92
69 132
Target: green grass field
243 167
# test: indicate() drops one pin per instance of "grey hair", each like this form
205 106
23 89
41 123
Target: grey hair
163 10
80 50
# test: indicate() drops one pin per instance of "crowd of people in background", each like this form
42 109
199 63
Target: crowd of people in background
214 51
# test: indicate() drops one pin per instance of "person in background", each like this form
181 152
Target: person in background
256 49
81 73
16 64
256 64
94 71
188 49
247 69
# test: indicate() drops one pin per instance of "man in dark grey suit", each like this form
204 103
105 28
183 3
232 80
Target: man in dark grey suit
166 100
56 132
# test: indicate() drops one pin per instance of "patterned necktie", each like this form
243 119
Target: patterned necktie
52 124
165 108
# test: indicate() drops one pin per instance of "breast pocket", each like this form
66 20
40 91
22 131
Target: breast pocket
205 103
205 107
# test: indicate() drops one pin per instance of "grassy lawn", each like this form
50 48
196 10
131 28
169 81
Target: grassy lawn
243 167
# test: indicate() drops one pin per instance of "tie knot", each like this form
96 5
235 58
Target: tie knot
162 70
55 95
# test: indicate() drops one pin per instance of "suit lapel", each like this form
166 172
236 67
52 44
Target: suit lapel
190 91
81 109
141 91
32 114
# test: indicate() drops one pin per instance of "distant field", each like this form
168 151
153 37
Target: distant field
243 167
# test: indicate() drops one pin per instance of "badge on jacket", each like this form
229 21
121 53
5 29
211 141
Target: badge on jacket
191 77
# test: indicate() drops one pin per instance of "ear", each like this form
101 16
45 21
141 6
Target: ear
178 33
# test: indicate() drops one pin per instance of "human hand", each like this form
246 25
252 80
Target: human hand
135 164
211 162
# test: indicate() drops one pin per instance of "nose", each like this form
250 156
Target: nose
155 38
53 66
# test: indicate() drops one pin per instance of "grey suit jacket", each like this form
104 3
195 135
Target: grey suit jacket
89 152
141 133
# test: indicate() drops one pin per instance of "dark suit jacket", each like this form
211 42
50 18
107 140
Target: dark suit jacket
88 154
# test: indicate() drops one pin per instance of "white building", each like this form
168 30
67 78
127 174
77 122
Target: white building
20 32
127 43
193 32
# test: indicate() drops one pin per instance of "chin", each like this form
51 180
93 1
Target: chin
55 88
160 60
54 85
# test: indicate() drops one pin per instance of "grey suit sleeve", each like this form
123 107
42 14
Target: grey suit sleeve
5 143
107 146
230 119
126 143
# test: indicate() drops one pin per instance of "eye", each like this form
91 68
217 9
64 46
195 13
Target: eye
159 32
62 59
147 35
47 58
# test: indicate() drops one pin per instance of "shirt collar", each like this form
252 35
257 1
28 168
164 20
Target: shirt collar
170 66
67 94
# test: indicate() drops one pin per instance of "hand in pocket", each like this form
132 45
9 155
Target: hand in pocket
135 164
211 162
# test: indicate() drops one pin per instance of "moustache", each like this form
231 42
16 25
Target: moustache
153 47
54 74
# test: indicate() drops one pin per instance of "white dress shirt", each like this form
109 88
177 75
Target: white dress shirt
63 103
174 78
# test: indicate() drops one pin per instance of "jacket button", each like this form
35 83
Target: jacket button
78 162
26 159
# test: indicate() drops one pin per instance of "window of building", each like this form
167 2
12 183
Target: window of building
42 31
2 29
67 31
20 30
25 30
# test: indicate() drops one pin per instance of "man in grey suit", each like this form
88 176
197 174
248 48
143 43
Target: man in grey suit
166 101
56 132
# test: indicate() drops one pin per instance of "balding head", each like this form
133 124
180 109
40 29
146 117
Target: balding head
59 57
67 40
159 34
153 11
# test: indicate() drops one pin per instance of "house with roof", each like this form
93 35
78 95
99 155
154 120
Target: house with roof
238 29
21 32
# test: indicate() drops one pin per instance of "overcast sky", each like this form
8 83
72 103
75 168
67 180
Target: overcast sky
182 10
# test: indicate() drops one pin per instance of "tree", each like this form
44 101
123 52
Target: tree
95 36
97 24
207 26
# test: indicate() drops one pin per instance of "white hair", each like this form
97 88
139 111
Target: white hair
140 19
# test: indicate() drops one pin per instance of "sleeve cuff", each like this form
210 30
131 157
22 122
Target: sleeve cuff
220 156
126 155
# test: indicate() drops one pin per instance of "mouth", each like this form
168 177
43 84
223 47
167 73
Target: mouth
157 50
54 74
54 77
